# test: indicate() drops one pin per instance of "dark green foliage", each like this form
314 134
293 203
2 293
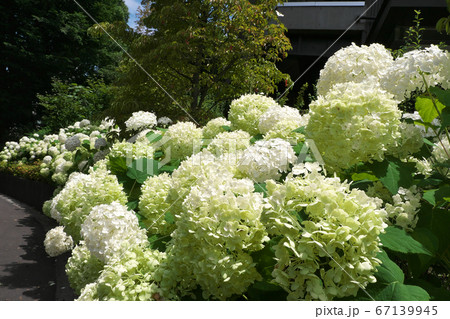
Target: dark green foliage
71 102
45 39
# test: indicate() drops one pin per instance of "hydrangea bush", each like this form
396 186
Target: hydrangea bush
347 202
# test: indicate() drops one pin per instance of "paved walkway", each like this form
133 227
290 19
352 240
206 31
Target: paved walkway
26 272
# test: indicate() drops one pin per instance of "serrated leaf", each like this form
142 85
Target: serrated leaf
398 240
142 168
168 217
419 263
133 205
437 196
256 138
226 128
426 108
260 188
442 95
388 271
394 174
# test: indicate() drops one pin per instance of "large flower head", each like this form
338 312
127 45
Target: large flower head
182 140
81 193
354 64
329 236
141 120
110 229
153 204
246 111
229 142
214 127
131 150
57 242
354 122
266 159
404 75
277 114
128 278
218 228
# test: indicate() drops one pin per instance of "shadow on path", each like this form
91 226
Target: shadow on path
26 272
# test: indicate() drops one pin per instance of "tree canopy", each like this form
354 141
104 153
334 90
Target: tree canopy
45 39
203 53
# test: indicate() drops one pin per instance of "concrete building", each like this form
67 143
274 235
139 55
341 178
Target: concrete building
317 29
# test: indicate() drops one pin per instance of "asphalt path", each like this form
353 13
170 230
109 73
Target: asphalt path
26 272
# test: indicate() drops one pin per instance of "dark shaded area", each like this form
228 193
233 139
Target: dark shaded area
26 273
32 193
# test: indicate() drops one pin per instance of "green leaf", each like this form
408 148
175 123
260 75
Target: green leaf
398 240
300 130
226 128
400 292
419 263
436 292
298 148
394 174
388 271
159 242
118 165
364 177
133 205
260 188
256 138
437 197
142 168
152 137
445 118
265 259
442 95
426 109
168 217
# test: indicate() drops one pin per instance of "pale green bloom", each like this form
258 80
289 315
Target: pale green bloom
214 127
182 140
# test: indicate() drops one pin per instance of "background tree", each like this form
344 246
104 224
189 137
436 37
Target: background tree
40 40
203 52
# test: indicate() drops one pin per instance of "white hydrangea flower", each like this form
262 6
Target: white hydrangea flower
57 242
409 142
229 142
131 150
403 76
275 114
353 122
85 123
182 140
141 120
324 226
441 153
266 160
404 208
80 194
246 111
354 64
153 204
214 127
218 228
164 121
110 229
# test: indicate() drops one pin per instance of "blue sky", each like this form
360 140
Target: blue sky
132 8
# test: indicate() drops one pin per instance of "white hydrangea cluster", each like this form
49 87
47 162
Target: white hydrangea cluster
164 121
353 122
426 132
324 226
128 278
266 159
409 142
131 150
285 130
218 228
81 193
246 111
441 153
110 229
141 120
82 268
403 76
229 142
404 208
57 242
153 204
182 140
354 64
276 114
214 127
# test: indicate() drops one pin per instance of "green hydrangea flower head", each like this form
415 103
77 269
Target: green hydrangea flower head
246 111
352 123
